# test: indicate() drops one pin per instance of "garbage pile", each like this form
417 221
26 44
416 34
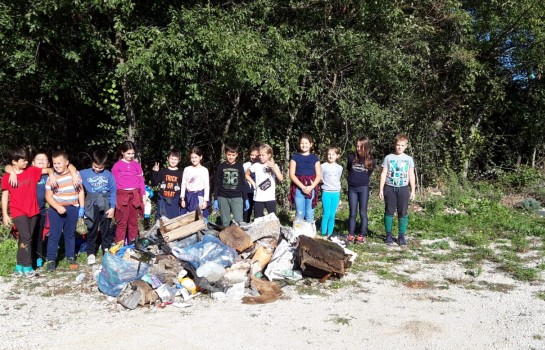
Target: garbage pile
181 258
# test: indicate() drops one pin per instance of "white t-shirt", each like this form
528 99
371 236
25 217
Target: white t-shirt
331 177
196 179
265 182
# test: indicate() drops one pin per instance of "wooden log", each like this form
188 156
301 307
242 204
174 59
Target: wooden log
179 221
184 231
319 257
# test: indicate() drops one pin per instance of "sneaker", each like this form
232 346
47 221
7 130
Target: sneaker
389 239
350 238
39 262
28 272
72 264
19 270
401 241
361 239
51 266
91 259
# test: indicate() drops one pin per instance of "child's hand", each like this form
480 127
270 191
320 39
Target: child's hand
7 221
203 205
61 210
412 196
246 205
381 194
155 167
216 205
13 180
110 213
306 189
81 212
182 202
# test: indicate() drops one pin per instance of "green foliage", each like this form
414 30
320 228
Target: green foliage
8 253
522 176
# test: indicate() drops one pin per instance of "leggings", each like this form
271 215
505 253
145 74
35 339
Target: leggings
330 202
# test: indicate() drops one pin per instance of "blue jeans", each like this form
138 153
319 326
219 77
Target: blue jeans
358 195
59 224
303 206
330 202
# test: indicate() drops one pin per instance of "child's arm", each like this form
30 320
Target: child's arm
382 182
183 186
5 216
412 183
294 178
76 179
206 188
53 203
81 200
276 170
317 180
155 178
248 176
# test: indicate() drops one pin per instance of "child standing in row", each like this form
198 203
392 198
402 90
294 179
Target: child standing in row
23 207
131 193
65 207
253 158
229 193
360 167
262 176
40 161
195 184
100 199
169 180
396 177
331 189
305 175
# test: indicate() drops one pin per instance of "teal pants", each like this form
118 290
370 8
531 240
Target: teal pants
330 202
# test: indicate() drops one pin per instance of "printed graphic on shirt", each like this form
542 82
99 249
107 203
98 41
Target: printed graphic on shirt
230 179
170 186
398 173
358 168
97 183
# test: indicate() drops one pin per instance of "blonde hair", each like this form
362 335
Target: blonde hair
401 137
265 147
333 148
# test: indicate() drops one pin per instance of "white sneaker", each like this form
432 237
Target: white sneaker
91 259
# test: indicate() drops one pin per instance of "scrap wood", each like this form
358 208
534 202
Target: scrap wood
269 292
320 257
179 221
235 237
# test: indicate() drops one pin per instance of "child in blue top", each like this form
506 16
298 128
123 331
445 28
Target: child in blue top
331 189
396 177
305 175
40 161
99 204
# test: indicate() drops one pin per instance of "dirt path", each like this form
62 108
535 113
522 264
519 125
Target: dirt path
368 312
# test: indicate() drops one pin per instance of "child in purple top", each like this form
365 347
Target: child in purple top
131 193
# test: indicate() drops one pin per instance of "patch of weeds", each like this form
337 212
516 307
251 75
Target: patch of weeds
541 267
389 275
441 245
474 271
520 272
310 289
343 284
345 321
473 239
419 284
8 254
520 244
541 295
496 287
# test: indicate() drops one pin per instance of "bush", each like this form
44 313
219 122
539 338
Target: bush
522 176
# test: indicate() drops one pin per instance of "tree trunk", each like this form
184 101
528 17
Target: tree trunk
127 97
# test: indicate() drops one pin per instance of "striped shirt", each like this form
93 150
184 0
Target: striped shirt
65 194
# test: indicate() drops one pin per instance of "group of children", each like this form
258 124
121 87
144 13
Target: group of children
98 195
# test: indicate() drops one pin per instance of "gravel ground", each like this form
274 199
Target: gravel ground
442 308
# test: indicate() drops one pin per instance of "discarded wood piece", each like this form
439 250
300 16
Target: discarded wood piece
182 226
268 292
179 221
321 258
235 237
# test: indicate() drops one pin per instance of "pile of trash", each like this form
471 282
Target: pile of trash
181 258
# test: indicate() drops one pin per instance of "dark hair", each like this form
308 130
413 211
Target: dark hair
231 147
367 159
100 157
197 150
124 147
255 147
60 154
174 152
18 153
306 136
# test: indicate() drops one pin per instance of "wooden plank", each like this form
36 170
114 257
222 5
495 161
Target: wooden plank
184 231
179 221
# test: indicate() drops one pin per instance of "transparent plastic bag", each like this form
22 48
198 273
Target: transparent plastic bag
209 249
116 273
